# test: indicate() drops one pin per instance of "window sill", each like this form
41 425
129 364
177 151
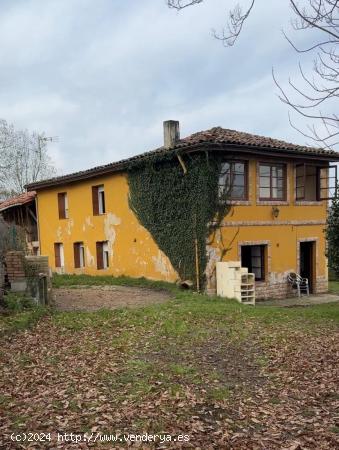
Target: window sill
309 202
239 202
272 202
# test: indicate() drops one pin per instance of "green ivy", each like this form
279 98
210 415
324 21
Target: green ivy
178 208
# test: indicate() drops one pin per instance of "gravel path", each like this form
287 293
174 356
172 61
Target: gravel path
92 298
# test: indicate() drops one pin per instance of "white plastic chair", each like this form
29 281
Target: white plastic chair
298 283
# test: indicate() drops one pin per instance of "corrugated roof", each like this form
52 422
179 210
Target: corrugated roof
22 199
214 136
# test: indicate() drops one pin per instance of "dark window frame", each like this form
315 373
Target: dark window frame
232 163
263 260
318 197
57 254
62 210
101 255
284 178
97 193
76 251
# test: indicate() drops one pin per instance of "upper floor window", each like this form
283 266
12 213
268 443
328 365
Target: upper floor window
315 183
272 181
79 255
98 200
59 254
233 180
63 205
102 255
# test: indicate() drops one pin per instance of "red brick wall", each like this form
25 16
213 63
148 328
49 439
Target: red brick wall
15 265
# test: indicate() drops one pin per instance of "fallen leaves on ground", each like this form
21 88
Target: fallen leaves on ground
274 386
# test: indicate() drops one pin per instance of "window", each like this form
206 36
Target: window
272 181
63 205
253 257
315 183
327 183
102 255
98 200
306 182
233 180
79 255
59 254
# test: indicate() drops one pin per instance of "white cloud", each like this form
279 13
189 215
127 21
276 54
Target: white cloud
103 75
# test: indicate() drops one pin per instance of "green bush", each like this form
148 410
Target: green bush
18 302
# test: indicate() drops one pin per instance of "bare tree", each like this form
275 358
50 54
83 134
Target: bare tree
316 95
23 159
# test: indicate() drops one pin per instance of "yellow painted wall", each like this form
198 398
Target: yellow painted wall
133 251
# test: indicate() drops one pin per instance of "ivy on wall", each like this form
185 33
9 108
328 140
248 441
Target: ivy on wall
179 209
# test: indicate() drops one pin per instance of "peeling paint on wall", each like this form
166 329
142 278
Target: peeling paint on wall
140 261
162 264
213 256
70 225
279 277
59 234
90 261
110 222
88 223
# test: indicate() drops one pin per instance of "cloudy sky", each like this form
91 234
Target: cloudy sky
103 75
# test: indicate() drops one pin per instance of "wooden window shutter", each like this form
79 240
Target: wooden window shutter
100 256
57 255
61 205
95 200
76 247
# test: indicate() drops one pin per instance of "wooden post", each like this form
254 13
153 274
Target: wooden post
197 271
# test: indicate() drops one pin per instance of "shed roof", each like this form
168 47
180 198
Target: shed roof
22 199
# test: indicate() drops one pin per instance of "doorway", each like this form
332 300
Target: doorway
307 262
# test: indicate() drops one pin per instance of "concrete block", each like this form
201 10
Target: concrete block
19 285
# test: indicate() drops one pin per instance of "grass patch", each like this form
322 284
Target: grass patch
218 393
17 302
334 287
59 281
21 320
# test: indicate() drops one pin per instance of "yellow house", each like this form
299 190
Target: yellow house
278 201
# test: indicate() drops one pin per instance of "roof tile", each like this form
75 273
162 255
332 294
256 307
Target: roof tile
18 200
216 135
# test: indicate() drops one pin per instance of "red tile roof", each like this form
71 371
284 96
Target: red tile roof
22 199
228 139
218 135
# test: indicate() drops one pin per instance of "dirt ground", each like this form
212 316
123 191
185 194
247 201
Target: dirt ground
92 298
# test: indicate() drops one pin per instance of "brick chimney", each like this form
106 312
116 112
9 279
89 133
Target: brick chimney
171 133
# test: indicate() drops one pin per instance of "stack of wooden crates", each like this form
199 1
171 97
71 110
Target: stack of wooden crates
234 281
